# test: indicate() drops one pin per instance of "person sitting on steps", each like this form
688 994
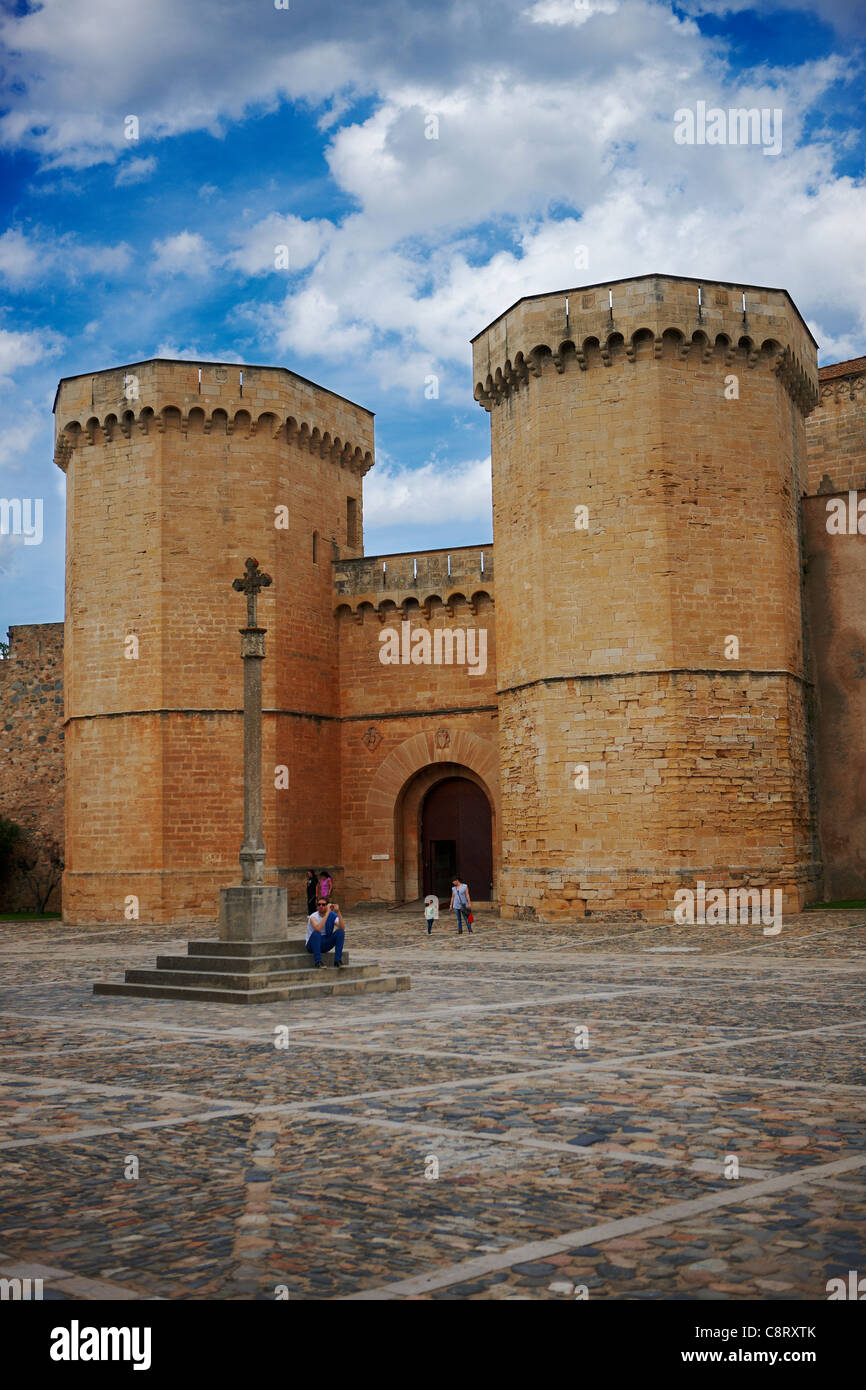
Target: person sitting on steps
325 932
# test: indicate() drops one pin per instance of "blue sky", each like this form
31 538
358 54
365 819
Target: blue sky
308 127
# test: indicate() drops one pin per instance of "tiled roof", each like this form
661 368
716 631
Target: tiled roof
852 367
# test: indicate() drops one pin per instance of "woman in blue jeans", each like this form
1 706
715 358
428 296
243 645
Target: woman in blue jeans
461 904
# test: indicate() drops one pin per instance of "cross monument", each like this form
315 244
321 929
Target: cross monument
252 910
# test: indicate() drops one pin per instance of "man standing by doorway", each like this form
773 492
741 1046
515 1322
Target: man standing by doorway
461 904
325 932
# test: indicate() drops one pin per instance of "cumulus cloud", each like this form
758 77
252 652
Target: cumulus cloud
488 156
568 11
400 497
280 243
446 237
134 170
35 258
185 253
19 434
19 258
19 350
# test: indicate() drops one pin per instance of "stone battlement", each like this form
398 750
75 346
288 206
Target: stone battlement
442 577
654 316
211 397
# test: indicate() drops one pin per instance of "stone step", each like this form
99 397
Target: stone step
281 947
317 988
243 965
223 979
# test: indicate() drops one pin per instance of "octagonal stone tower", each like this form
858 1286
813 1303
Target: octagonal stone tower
653 714
176 472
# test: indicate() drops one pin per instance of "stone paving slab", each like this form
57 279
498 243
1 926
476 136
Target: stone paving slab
308 1166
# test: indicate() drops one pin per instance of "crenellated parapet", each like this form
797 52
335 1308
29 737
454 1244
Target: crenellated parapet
159 396
653 317
425 580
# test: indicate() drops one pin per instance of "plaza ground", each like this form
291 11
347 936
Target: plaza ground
561 1168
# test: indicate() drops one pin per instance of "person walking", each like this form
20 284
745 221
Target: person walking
461 905
325 884
325 932
431 911
312 891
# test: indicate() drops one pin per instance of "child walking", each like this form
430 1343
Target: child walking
431 911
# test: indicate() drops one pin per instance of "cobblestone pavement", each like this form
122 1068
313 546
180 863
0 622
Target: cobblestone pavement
583 1093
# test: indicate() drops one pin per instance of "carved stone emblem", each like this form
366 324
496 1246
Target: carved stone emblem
443 738
372 738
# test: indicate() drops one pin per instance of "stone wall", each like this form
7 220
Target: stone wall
408 725
31 766
836 608
836 592
836 430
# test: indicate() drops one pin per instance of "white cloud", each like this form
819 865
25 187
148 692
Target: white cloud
24 350
561 12
196 67
402 284
134 170
256 251
311 323
19 258
553 132
435 493
185 253
30 260
18 436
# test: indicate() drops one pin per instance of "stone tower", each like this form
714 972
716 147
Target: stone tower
653 711
176 472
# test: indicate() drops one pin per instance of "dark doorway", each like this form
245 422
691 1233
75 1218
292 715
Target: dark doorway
456 838
443 866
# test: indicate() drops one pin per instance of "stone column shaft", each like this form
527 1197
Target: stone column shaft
252 855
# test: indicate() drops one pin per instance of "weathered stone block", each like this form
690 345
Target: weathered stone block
253 912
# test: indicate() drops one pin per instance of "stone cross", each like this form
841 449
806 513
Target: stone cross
253 910
253 580
252 855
